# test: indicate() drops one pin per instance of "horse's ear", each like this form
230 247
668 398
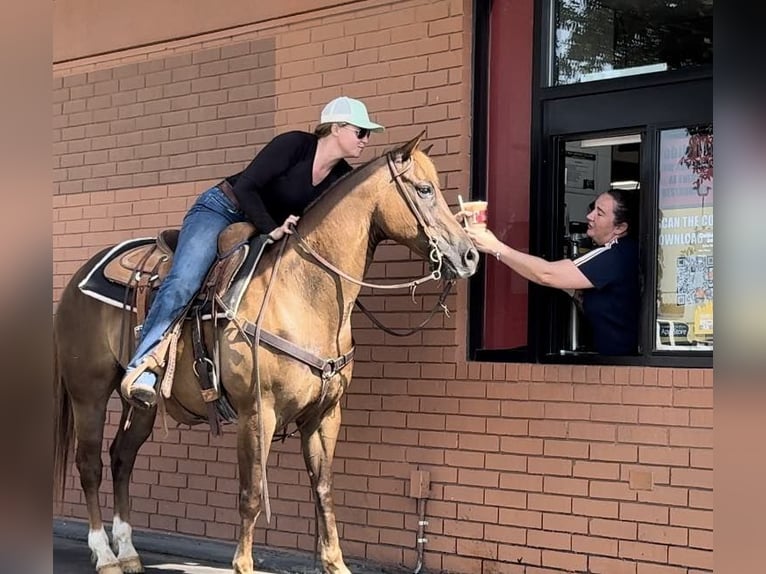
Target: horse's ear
427 150
407 149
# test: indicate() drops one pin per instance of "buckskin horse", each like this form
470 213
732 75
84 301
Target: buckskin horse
395 196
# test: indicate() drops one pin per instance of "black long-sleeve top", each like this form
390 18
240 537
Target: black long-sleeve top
279 182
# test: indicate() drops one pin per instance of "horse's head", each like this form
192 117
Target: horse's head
417 215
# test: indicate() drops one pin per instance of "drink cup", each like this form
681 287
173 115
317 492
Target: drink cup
477 216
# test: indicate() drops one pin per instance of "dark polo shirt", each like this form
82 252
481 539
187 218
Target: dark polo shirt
612 306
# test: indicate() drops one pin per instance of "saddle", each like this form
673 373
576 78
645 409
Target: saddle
138 268
143 268
153 260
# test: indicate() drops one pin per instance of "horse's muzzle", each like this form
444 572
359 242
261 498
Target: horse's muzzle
461 264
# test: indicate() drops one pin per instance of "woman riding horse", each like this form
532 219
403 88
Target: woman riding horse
286 175
314 274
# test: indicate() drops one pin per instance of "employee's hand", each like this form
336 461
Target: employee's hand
461 216
285 229
484 240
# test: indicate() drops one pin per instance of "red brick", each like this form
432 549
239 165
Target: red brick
643 551
670 416
701 418
692 477
549 503
544 539
614 452
669 496
702 499
644 568
599 565
593 431
692 437
702 519
600 470
505 498
672 535
565 523
694 398
461 564
520 518
479 548
594 546
691 557
565 560
663 455
505 462
611 490
595 394
645 513
549 466
525 482
615 529
701 539
566 448
642 435
567 486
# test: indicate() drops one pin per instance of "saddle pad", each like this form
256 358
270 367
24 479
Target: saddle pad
96 285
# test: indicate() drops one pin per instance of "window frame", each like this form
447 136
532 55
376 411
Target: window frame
543 173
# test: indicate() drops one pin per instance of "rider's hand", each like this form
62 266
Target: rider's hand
285 229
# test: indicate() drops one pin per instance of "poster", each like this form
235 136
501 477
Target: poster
685 241
580 171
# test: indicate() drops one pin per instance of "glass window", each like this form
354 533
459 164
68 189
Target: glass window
599 39
685 240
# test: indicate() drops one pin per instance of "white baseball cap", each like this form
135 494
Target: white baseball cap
345 110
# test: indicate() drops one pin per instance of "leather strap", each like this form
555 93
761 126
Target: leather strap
142 295
228 191
327 367
205 371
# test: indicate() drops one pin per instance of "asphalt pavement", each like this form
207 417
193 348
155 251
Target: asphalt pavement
176 554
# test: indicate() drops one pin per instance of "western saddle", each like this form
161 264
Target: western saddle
146 266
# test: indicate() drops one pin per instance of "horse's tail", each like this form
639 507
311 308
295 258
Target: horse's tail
63 427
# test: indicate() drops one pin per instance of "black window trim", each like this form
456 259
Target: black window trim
540 240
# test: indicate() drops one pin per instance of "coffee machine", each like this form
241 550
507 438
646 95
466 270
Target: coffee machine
576 243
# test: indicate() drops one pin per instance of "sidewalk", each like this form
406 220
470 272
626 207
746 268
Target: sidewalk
163 553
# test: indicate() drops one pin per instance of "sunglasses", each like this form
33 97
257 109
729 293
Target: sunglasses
361 133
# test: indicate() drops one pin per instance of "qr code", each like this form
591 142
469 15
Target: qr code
694 279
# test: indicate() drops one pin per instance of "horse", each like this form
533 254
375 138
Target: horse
395 196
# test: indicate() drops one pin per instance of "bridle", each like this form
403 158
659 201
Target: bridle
435 256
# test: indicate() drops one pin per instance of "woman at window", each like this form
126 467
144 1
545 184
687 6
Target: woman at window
607 277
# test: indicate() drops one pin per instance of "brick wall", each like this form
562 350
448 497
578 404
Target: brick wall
534 469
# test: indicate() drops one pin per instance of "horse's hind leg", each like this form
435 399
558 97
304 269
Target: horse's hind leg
123 454
318 451
248 448
89 416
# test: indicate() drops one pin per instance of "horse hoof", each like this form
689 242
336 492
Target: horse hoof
110 569
132 566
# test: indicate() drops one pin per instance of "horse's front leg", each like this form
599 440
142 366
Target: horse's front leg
318 451
249 451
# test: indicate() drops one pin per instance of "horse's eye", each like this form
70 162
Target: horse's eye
424 189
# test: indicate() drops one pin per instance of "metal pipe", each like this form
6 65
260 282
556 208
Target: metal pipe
421 539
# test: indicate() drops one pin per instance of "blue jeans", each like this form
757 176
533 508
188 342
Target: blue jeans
195 254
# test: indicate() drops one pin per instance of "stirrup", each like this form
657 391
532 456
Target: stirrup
147 396
144 396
